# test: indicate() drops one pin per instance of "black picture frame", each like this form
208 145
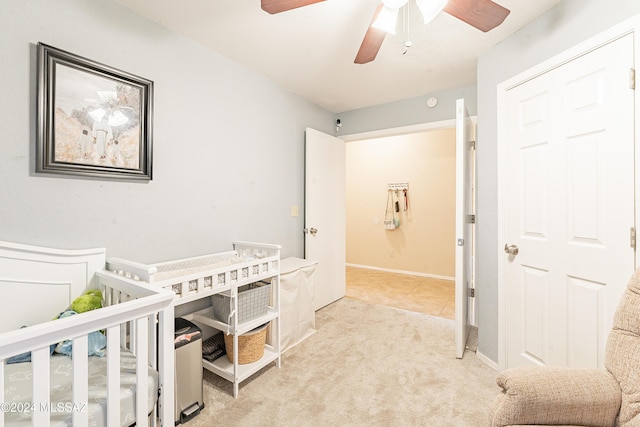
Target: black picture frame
93 120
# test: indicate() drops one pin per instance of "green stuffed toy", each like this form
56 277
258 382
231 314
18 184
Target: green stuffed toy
90 300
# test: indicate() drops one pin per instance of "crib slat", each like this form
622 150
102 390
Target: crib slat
107 294
142 372
153 342
133 337
152 361
41 386
166 365
123 336
113 376
80 384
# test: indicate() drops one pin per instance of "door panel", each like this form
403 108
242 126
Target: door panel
570 197
325 223
586 332
534 333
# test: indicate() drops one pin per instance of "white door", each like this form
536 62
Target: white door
465 178
325 222
570 206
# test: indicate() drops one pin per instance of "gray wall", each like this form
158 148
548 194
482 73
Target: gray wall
228 144
564 26
408 112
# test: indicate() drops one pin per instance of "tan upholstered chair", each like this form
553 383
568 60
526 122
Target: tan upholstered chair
580 397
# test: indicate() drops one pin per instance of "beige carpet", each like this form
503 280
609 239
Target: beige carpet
366 365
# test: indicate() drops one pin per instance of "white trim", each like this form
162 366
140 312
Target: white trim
411 273
629 26
487 361
403 130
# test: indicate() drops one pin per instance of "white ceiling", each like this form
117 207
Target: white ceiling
310 50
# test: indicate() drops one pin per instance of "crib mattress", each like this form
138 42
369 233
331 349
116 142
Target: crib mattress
18 386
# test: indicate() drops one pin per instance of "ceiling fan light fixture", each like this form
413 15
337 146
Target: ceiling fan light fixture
430 8
387 20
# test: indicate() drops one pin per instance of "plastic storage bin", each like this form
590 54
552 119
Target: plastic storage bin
188 370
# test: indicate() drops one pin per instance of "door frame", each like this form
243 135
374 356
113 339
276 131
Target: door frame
465 228
418 128
630 26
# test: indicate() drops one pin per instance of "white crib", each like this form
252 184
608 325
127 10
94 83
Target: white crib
36 284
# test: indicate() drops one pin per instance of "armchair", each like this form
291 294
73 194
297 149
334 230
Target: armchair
580 397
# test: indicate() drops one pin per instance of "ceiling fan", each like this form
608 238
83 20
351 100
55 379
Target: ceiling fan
481 14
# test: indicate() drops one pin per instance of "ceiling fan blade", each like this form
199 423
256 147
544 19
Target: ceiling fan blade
372 41
277 6
485 15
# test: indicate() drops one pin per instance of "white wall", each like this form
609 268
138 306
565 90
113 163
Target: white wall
228 144
564 26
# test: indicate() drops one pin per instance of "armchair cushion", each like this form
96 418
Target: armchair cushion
556 396
622 356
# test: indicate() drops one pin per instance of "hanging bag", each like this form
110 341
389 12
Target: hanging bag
389 215
396 210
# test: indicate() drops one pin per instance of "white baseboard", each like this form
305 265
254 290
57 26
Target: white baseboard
487 361
412 273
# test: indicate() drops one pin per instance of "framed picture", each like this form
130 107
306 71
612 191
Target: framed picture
93 120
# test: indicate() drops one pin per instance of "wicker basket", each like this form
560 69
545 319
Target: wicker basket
253 301
251 345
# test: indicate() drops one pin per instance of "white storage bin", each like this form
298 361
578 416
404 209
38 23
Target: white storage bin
297 290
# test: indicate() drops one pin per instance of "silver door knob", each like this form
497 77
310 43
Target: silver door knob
511 249
313 231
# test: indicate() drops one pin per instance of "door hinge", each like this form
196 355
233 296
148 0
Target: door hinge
632 78
472 292
471 219
472 145
632 238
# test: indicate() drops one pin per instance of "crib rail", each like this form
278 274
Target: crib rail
130 317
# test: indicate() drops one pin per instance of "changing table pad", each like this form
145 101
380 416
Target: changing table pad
18 385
